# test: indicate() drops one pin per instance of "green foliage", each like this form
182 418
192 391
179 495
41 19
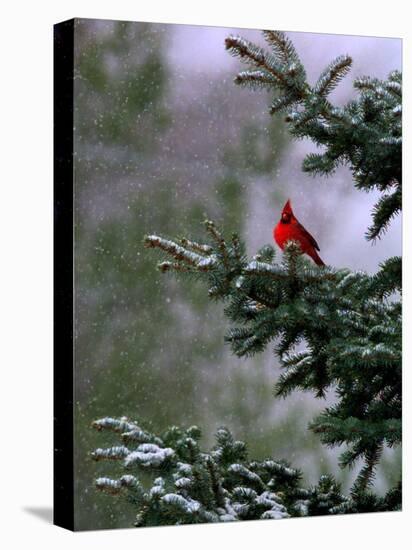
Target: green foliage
365 134
169 480
350 336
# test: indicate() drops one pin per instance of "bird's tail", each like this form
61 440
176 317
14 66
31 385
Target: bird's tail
316 258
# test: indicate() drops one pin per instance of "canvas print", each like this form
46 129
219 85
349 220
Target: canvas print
236 340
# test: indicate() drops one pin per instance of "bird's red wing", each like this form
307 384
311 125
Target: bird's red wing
308 236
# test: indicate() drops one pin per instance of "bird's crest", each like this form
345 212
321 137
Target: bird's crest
287 209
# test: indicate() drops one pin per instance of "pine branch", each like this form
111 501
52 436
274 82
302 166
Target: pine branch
332 75
282 47
117 486
385 209
256 56
184 255
222 484
282 103
255 79
388 279
196 247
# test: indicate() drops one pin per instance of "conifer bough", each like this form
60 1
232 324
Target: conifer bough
349 322
188 485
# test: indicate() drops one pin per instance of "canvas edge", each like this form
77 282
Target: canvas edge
63 445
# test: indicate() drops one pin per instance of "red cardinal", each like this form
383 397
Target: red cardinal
288 228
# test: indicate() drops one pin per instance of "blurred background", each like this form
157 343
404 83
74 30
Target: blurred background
163 139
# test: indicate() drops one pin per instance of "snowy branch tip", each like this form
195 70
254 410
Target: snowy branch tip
188 255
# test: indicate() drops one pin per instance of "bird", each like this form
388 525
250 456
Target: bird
288 228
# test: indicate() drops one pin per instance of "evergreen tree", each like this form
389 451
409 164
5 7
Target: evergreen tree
347 324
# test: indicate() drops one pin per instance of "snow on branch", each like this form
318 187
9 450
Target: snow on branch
219 485
182 253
